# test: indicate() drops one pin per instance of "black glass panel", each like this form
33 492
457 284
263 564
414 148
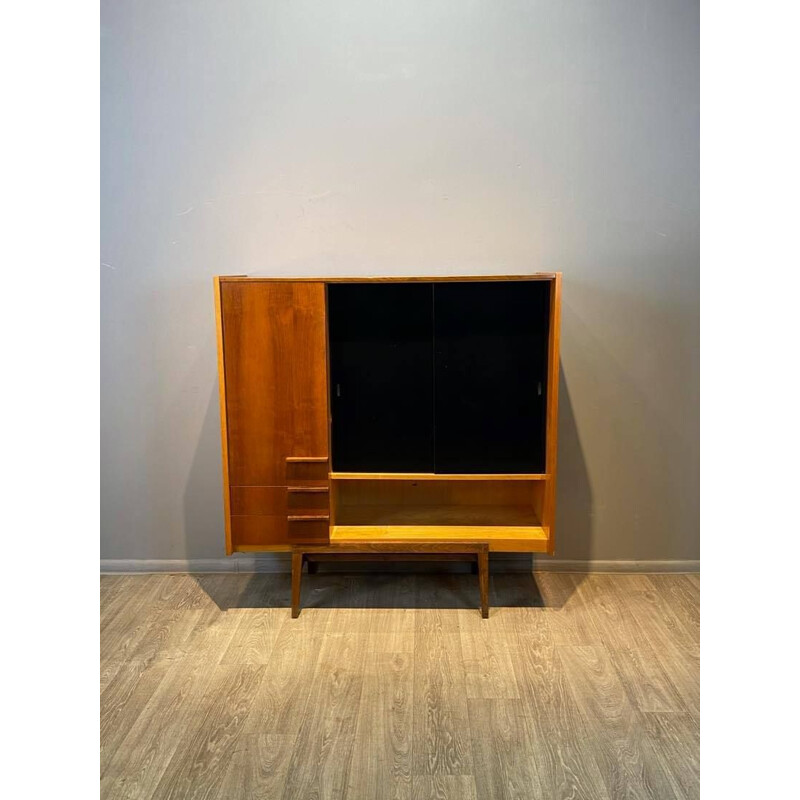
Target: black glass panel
491 376
381 356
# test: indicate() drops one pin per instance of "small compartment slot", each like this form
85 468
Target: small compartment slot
308 530
311 471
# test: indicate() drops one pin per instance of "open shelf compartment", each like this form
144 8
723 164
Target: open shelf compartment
507 514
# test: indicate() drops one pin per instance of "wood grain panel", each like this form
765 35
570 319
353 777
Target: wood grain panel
261 529
308 530
499 539
269 500
279 500
223 414
553 355
275 377
307 472
307 498
442 493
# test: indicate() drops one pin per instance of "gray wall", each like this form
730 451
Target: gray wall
415 137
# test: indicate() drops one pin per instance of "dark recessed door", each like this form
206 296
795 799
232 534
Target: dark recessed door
381 357
491 376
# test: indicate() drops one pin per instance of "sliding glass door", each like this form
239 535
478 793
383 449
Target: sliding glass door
445 377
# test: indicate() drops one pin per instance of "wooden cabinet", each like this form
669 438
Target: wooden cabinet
274 398
389 411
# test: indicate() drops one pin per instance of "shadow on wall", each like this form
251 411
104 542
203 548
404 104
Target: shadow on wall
203 515
574 518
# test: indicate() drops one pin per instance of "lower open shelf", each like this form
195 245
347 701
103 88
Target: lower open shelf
506 528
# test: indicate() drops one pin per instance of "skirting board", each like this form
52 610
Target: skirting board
280 562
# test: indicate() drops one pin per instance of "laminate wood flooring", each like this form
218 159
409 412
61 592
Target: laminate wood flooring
389 685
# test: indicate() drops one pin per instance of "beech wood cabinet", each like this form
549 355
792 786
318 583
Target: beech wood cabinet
399 412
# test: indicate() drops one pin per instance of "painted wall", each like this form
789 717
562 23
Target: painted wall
413 137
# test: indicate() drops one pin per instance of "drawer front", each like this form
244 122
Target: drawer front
278 499
303 530
311 499
259 530
309 471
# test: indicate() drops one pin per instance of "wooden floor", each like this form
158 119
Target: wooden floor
391 686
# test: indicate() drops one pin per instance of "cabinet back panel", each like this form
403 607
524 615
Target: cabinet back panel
491 376
381 356
440 493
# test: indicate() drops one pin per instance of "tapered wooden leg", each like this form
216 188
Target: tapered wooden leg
313 566
483 580
297 572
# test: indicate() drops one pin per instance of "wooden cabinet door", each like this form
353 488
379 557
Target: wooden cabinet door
276 380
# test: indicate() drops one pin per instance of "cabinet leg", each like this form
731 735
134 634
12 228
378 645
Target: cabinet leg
483 581
297 572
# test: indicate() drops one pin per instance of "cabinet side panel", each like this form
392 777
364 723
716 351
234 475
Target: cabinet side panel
549 515
223 414
276 377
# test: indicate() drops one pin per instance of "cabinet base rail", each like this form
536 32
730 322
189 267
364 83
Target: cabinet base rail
478 552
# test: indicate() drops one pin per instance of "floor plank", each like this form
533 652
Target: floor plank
677 742
320 763
565 766
642 673
168 720
197 768
622 749
441 720
444 787
504 763
258 767
383 730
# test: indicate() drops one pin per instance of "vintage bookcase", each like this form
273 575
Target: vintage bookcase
389 417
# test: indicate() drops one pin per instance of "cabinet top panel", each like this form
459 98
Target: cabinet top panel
535 276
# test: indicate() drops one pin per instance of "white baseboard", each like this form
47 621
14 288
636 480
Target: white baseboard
279 562
556 565
266 562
